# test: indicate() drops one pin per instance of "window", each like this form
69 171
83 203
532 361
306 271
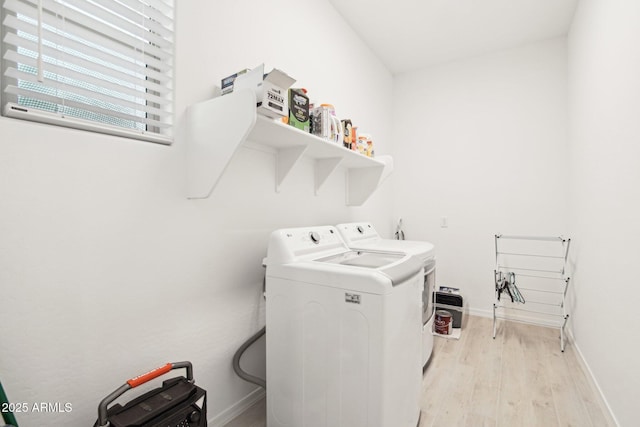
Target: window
99 65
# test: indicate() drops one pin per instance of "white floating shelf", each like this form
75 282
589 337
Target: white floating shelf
217 128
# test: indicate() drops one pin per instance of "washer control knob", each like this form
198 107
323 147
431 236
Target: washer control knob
360 229
315 237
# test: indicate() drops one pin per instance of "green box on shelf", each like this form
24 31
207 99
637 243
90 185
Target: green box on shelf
299 110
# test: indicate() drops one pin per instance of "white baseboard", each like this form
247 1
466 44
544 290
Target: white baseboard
596 387
479 312
514 316
236 409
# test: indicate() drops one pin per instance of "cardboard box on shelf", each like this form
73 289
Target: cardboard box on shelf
299 109
347 133
271 90
226 84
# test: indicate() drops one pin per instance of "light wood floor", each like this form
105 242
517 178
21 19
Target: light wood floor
519 379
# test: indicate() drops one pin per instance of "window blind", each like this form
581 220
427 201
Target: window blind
99 65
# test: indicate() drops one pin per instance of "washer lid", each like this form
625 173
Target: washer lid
369 279
394 267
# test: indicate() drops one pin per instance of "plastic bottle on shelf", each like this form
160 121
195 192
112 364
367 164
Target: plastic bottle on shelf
354 138
334 131
362 143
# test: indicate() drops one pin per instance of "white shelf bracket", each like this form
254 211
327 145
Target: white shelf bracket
324 169
212 142
362 182
286 158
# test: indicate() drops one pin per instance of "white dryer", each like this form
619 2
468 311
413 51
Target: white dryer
362 236
343 333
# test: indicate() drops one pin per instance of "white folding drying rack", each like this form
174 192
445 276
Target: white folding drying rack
538 265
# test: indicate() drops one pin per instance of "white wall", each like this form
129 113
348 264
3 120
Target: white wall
604 106
107 270
482 141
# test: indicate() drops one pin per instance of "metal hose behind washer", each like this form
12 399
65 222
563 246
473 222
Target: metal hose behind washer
236 360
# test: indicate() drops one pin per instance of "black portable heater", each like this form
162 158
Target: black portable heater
178 403
452 300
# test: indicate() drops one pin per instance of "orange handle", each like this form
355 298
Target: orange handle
141 379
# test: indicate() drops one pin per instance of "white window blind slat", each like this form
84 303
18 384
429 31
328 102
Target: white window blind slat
52 15
165 5
157 12
98 93
98 67
92 16
83 110
56 76
138 37
15 110
137 16
82 39
103 61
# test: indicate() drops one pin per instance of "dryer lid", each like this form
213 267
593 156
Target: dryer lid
362 235
363 259
423 250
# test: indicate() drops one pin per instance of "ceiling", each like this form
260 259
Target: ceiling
412 34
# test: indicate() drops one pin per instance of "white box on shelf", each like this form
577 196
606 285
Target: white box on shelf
271 90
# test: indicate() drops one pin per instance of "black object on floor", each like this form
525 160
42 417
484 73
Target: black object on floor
178 403
453 300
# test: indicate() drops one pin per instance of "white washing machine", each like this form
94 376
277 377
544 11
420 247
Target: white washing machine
362 236
343 333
